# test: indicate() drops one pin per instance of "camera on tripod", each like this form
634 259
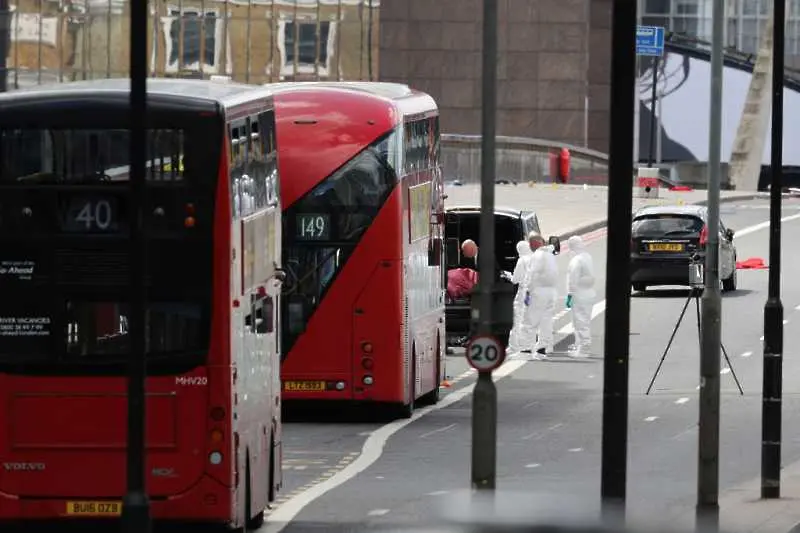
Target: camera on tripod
696 271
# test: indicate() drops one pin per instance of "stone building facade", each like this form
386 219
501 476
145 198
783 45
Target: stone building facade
553 64
254 41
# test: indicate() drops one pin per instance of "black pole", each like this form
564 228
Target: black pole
369 40
773 310
653 100
136 505
5 41
618 276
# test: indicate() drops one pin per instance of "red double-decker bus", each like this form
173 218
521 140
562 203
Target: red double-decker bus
213 233
362 192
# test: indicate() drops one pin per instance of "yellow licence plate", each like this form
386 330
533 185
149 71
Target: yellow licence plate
304 386
94 508
665 247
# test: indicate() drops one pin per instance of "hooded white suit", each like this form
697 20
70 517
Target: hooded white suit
580 285
521 336
542 282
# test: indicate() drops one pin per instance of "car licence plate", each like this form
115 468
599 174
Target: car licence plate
94 508
665 247
304 386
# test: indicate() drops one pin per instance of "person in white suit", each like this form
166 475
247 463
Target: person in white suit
521 336
580 295
542 282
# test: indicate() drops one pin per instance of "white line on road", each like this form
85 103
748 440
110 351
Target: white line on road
536 435
785 322
797 307
761 338
725 370
371 452
747 354
762 225
533 465
681 400
597 309
651 418
378 512
437 493
435 431
573 450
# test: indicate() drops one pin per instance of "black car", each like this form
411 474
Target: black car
510 227
665 238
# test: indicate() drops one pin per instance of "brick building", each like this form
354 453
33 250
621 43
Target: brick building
553 64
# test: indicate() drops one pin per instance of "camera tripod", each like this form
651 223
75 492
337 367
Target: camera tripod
694 292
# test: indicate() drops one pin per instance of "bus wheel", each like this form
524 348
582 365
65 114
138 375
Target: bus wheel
251 522
433 396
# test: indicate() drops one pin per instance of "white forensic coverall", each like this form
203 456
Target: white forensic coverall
521 336
580 285
542 282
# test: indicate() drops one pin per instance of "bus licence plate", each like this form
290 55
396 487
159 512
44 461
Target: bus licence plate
304 386
94 508
665 247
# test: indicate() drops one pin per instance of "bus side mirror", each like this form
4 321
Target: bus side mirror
279 275
452 253
435 252
555 242
729 234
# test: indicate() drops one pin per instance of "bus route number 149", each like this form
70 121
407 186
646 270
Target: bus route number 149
485 353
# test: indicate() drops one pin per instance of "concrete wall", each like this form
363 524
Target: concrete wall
552 66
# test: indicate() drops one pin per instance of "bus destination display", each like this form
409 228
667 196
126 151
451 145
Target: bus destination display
86 214
313 227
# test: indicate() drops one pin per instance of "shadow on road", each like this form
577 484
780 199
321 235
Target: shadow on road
103 526
684 293
336 413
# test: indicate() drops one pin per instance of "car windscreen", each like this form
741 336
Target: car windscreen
666 226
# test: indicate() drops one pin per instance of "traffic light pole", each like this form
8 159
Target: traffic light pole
5 41
618 276
484 398
136 505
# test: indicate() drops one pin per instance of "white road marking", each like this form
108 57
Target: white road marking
797 308
651 418
762 225
533 465
437 493
785 322
597 309
725 370
378 512
747 354
590 376
536 435
575 450
365 434
761 338
435 431
371 452
379 477
681 400
530 404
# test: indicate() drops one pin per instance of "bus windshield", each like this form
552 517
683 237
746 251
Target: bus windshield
78 156
323 228
65 246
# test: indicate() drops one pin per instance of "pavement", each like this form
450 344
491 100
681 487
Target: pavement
565 210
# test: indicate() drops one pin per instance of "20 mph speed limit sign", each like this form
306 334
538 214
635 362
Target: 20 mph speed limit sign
485 353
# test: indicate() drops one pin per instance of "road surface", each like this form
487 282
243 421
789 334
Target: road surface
550 415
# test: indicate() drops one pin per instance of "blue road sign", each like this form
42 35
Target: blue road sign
649 40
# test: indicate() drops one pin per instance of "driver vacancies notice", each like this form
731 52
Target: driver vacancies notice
24 326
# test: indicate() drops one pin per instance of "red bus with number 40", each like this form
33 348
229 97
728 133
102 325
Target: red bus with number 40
212 230
362 192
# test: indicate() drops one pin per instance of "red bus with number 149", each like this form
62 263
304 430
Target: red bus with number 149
362 193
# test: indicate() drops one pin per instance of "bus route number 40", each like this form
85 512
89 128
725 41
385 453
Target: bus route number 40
485 353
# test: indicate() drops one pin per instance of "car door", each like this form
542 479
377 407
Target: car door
727 262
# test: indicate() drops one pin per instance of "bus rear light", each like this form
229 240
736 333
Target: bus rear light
188 222
215 458
368 380
367 363
189 209
217 414
340 385
216 436
366 346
